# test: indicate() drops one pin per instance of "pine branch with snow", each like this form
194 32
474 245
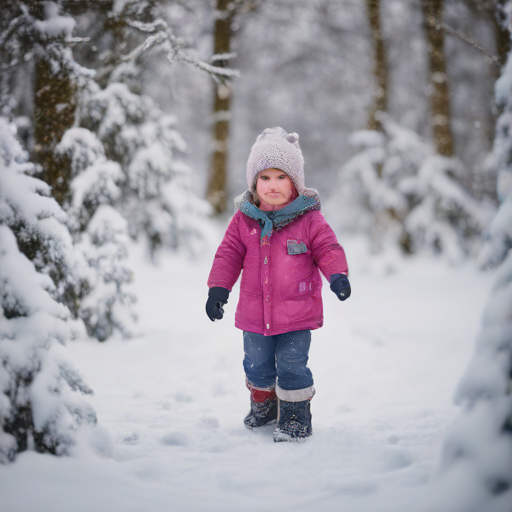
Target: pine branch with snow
39 223
38 408
443 218
108 308
26 38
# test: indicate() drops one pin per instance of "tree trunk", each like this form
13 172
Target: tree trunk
380 68
440 95
54 113
217 184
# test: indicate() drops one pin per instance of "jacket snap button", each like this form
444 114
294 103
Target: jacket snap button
268 298
265 261
268 326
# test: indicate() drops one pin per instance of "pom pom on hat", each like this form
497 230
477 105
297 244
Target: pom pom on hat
274 148
293 138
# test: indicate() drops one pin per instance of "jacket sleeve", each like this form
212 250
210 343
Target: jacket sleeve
229 259
327 253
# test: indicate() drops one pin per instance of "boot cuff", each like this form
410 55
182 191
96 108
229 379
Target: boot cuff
295 395
251 386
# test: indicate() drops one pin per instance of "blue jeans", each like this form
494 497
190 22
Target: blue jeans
284 356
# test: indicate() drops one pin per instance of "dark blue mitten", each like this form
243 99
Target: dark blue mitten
340 286
217 297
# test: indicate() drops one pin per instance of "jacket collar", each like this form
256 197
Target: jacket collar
276 219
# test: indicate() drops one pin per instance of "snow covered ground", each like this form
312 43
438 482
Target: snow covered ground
172 401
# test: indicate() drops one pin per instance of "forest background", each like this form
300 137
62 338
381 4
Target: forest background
132 120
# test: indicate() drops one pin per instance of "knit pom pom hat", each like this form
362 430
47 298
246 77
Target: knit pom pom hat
274 148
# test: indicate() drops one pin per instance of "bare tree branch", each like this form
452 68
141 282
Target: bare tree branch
467 39
162 37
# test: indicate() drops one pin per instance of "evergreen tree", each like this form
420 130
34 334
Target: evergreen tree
156 195
443 217
477 449
108 308
369 199
396 190
499 233
38 406
101 234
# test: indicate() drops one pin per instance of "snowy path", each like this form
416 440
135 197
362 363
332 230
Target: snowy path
385 365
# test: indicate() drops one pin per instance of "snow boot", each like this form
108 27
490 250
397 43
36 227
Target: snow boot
294 421
263 407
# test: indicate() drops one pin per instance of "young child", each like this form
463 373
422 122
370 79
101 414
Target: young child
280 239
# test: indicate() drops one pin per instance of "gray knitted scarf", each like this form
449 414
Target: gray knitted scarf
277 219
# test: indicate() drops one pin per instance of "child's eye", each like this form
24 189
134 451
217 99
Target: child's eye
282 177
264 178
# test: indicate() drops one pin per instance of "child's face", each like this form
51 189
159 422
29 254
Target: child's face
274 187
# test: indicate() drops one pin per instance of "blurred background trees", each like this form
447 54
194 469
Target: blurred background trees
317 67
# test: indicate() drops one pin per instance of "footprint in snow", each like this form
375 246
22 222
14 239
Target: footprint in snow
175 439
132 439
210 422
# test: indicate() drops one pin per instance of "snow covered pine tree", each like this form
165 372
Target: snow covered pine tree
477 451
101 234
399 192
38 406
157 198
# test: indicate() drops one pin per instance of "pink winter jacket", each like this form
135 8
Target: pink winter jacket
281 284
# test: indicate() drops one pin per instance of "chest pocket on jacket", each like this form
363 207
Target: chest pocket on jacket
296 247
